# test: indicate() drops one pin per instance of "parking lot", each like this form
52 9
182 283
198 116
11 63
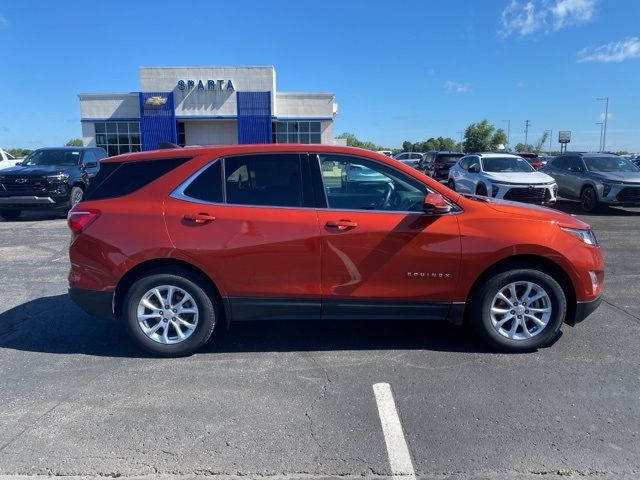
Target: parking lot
297 400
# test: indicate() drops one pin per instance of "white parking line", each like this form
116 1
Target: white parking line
399 458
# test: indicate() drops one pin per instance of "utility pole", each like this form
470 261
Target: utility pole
461 132
606 116
600 149
508 133
526 132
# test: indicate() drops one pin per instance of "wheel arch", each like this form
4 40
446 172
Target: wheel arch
158 264
79 183
529 261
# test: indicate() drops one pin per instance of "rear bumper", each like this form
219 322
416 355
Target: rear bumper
584 309
96 303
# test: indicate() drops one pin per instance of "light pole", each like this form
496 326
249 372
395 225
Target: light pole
461 132
526 132
601 131
550 136
606 115
508 133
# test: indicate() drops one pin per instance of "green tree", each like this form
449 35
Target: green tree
19 152
353 141
521 147
407 146
477 137
75 142
499 138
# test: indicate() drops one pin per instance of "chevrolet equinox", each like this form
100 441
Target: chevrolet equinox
179 242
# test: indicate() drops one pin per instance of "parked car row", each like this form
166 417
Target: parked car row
594 179
7 160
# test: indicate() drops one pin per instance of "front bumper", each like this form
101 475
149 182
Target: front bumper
584 309
536 193
96 303
25 202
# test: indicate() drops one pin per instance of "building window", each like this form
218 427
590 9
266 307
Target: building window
182 138
296 132
118 137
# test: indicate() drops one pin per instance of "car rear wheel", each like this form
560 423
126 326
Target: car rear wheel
481 190
10 214
519 310
170 314
589 199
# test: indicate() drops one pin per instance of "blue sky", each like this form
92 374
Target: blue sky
404 70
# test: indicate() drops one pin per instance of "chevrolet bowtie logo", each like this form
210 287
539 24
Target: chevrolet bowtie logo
157 101
21 180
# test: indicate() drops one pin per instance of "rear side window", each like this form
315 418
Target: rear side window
269 180
207 186
122 178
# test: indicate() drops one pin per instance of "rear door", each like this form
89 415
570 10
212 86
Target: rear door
248 220
381 256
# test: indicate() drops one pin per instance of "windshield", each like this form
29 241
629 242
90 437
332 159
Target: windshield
53 157
609 164
506 164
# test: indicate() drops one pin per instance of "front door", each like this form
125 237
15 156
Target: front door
381 256
244 221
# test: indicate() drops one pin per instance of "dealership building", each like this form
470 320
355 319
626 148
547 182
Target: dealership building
205 106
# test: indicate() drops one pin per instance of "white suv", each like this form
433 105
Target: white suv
502 175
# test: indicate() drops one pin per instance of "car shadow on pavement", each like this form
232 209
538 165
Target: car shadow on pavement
573 208
55 325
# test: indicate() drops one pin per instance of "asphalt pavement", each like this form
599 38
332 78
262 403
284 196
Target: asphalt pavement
296 400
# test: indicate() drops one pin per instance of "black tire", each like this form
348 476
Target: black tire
75 195
589 199
205 300
10 214
481 304
451 184
481 190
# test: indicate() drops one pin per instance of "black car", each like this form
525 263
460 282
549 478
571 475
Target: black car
437 164
48 179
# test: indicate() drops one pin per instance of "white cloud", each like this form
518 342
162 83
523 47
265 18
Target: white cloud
456 87
3 21
611 52
608 116
526 17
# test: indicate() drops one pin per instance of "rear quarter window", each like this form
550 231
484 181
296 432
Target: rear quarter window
116 179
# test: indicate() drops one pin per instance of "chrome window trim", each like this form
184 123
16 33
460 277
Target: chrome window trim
178 192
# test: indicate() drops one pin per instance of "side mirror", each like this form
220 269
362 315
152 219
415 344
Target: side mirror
91 165
474 169
435 204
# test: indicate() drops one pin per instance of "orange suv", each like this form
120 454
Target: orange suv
179 242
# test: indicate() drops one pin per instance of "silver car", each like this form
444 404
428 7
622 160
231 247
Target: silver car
596 179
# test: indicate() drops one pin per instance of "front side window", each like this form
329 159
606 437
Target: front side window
353 183
506 164
118 137
474 162
264 180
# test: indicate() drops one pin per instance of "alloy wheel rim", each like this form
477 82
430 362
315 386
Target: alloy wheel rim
77 197
167 314
520 310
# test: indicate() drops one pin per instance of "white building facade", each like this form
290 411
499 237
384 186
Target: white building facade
205 106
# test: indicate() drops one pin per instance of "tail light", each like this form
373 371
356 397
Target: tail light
79 220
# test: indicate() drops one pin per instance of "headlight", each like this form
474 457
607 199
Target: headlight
586 236
608 185
494 190
62 177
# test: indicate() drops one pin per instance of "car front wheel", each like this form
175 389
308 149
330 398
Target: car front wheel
589 199
170 314
519 310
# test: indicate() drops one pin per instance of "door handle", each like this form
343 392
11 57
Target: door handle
341 224
199 217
